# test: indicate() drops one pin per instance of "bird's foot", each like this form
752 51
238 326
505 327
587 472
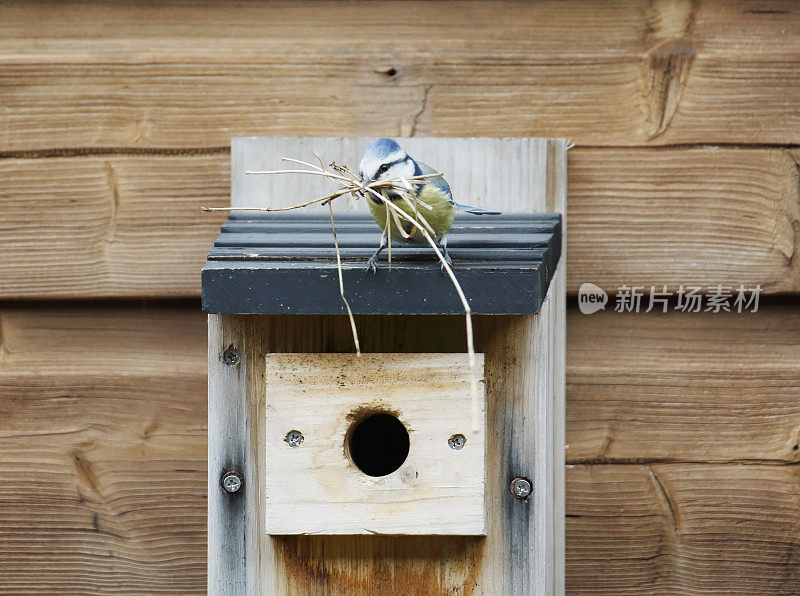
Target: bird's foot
372 264
448 260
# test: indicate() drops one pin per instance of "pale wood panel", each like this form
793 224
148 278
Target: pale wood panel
231 520
505 174
316 488
695 386
99 226
557 201
139 75
683 529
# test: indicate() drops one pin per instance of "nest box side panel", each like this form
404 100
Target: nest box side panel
320 409
233 518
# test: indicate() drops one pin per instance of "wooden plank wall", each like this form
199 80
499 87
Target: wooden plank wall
115 120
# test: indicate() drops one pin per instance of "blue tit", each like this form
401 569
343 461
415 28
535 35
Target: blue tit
386 160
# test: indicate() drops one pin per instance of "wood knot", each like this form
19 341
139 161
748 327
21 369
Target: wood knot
666 70
389 71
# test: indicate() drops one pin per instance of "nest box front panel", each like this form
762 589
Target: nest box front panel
377 444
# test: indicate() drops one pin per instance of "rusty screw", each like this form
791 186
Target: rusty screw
457 442
294 438
231 482
521 488
230 356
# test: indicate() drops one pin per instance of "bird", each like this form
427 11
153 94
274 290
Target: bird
384 159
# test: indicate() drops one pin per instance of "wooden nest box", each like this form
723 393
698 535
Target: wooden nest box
389 472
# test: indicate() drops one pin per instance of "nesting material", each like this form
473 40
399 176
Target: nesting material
352 184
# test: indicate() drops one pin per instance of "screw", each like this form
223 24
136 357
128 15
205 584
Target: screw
457 442
294 438
232 482
521 488
230 356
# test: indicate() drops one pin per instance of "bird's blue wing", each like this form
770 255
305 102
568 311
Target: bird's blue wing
439 182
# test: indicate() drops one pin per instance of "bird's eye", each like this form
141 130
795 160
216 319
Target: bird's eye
383 168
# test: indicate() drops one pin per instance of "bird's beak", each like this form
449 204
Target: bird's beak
364 185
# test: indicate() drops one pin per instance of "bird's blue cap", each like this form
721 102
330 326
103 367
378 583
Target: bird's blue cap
382 147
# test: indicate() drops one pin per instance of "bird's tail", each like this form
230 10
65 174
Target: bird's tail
475 210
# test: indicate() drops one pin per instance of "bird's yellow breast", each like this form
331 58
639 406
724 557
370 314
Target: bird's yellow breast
440 215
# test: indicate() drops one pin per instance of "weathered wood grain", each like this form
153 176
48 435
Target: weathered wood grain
684 387
236 521
316 488
100 226
102 478
109 403
704 216
362 565
336 564
144 75
683 529
116 226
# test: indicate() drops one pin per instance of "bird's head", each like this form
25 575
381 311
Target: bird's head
384 160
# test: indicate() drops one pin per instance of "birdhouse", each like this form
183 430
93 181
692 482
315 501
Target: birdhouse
412 468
